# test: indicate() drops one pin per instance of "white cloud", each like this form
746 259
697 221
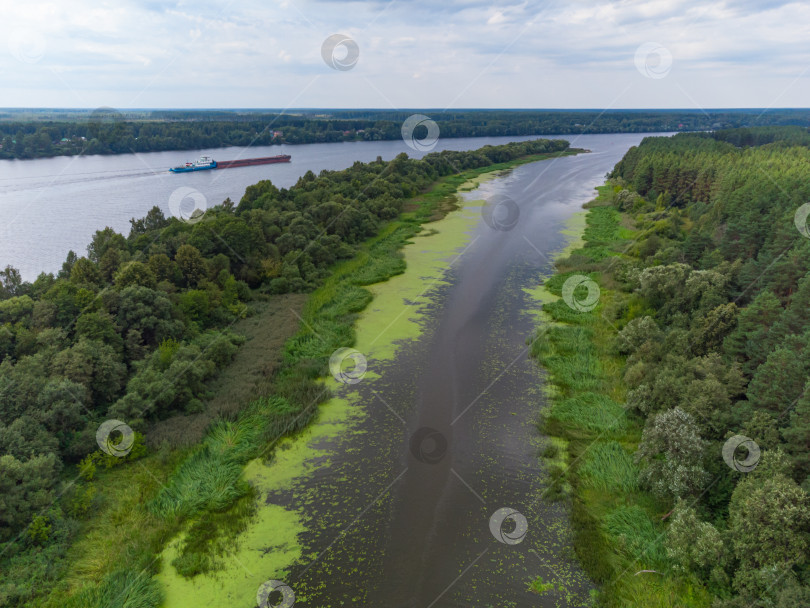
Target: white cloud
415 53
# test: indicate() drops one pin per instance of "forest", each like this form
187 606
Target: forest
39 134
136 328
684 399
680 412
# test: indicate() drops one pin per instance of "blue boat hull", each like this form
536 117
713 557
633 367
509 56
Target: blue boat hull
187 169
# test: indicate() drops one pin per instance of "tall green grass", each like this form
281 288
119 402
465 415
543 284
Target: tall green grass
634 534
608 467
123 589
569 356
592 411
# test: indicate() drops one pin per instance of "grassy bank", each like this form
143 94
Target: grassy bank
618 527
202 491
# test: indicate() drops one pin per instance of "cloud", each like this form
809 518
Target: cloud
413 53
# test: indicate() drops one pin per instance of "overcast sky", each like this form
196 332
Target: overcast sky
412 54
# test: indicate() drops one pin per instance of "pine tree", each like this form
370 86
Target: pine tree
751 341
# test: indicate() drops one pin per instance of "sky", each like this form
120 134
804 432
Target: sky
398 54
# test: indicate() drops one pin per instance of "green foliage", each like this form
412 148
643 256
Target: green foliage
568 354
135 274
122 589
206 480
696 546
768 519
711 307
15 309
81 500
39 531
607 466
191 264
671 451
210 536
633 533
591 411
27 488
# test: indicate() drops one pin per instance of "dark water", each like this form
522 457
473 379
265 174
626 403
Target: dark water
388 526
50 206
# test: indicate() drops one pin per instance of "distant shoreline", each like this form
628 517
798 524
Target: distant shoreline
28 134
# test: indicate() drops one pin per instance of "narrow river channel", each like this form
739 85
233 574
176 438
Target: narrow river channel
394 489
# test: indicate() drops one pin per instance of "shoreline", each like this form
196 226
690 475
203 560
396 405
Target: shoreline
425 254
585 416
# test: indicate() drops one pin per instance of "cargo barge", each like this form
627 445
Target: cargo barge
205 163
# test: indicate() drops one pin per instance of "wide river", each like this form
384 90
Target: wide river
53 205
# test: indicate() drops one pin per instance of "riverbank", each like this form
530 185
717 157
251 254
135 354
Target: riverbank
617 526
207 542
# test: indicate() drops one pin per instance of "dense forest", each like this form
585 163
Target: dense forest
108 131
135 328
685 395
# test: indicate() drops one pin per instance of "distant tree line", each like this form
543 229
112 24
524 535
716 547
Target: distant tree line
106 131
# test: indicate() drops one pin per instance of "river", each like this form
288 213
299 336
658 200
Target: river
50 206
393 490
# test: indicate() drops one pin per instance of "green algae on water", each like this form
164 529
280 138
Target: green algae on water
270 544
